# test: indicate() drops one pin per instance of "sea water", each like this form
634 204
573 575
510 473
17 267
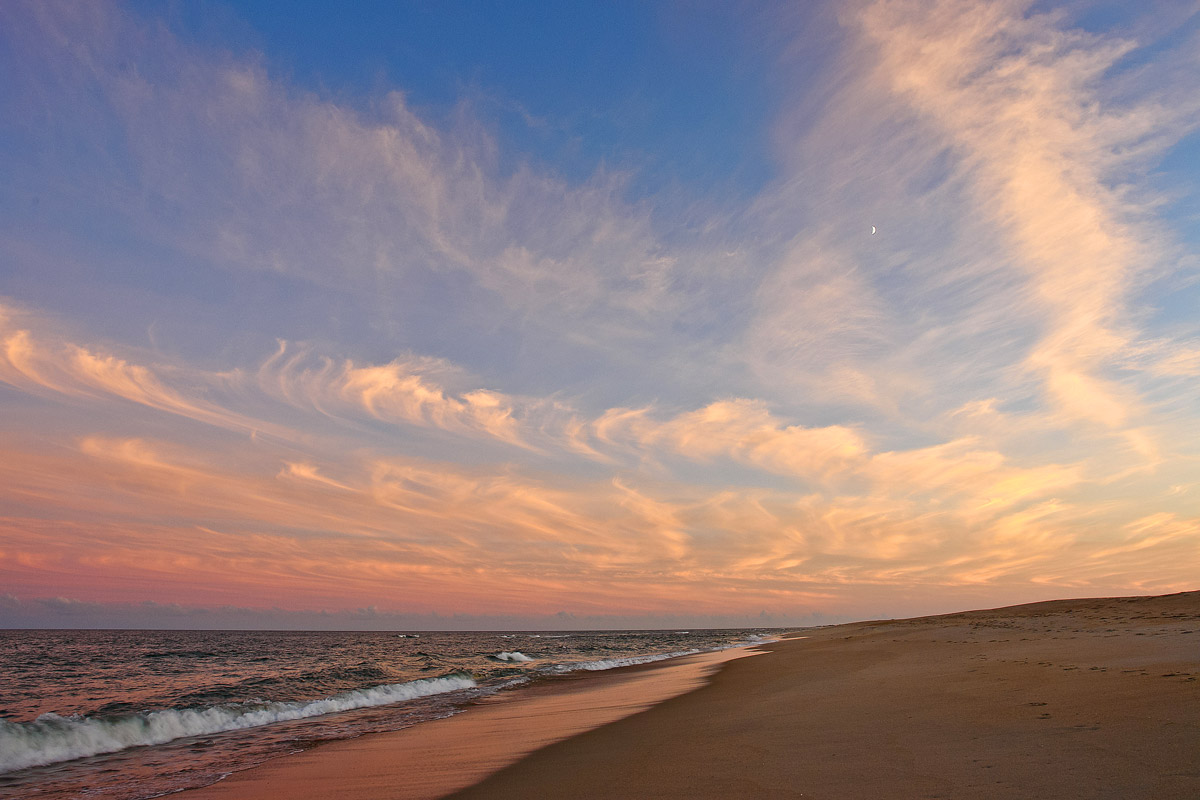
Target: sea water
137 714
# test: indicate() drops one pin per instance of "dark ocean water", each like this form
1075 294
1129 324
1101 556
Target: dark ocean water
136 714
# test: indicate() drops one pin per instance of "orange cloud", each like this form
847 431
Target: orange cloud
404 392
740 429
418 535
405 481
961 469
1017 97
41 364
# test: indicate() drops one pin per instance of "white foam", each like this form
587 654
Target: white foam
52 738
513 656
614 663
753 640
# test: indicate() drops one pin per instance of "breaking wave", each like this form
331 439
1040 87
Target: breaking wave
513 656
51 738
614 663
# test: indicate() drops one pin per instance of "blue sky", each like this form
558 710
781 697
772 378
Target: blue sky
673 92
507 310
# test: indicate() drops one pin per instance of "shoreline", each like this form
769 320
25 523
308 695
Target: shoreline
1071 699
432 759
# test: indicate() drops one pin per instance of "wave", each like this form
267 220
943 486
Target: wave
752 640
51 738
629 661
512 656
180 654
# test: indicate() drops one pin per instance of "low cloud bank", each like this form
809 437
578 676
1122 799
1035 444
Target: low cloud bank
66 612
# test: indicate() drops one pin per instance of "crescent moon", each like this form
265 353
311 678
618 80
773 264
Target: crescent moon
872 230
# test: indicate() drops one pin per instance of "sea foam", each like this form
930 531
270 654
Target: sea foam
512 656
52 738
614 663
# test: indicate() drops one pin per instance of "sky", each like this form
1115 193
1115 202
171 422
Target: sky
596 314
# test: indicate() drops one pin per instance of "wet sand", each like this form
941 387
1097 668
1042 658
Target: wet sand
435 758
1068 699
1072 699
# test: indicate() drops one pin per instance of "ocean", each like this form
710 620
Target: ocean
126 715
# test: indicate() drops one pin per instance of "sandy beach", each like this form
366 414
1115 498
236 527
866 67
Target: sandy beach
420 399
1095 698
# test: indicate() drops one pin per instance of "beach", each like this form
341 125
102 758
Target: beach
1096 698
408 400
433 759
